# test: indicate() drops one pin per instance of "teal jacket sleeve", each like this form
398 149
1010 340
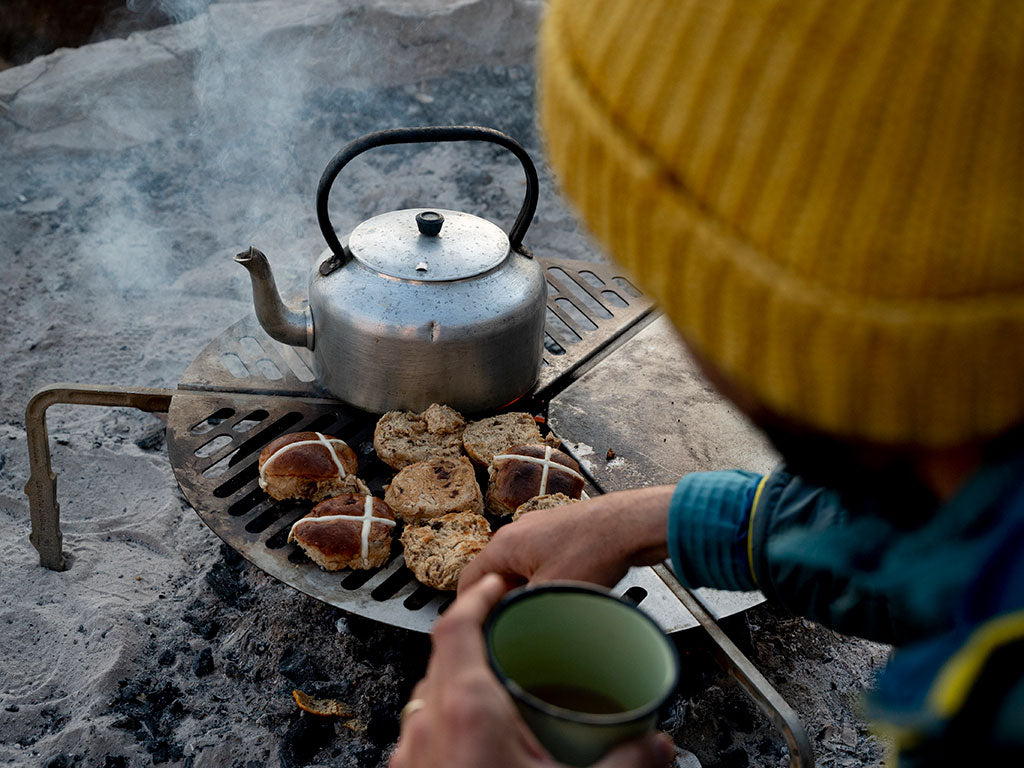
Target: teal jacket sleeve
813 555
799 544
708 526
821 555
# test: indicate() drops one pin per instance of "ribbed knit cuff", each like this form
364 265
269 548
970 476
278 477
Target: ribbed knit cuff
707 529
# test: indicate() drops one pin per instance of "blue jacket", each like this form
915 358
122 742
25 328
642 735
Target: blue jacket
948 592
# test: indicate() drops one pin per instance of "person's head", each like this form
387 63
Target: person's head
827 199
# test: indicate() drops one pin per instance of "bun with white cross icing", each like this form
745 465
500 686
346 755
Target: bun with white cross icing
429 489
309 465
496 434
437 549
402 438
525 471
350 531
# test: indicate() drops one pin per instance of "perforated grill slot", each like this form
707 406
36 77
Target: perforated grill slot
390 586
264 520
356 579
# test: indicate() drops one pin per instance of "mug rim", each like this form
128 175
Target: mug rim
553 710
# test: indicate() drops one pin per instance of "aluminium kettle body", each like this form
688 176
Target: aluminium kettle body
419 305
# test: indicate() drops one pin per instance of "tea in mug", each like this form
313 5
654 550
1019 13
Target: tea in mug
577 699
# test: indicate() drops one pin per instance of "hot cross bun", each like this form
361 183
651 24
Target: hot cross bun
527 471
309 465
350 531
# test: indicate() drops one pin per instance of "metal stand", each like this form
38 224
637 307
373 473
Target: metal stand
42 482
746 674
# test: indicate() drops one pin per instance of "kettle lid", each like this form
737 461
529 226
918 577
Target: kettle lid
429 245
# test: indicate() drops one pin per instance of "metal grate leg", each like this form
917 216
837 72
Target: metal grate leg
41 487
746 674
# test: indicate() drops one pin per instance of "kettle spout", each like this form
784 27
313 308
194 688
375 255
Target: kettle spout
281 322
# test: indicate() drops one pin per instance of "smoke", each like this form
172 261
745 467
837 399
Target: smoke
225 120
232 165
250 97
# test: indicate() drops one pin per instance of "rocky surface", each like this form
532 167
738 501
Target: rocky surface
134 169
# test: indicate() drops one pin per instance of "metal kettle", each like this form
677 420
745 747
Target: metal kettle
420 305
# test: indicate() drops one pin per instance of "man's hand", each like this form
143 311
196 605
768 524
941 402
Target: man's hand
596 540
463 718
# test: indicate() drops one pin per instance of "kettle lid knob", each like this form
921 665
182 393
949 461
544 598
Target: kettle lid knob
429 223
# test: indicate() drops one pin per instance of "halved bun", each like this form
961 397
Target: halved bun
486 438
437 550
433 488
547 501
402 438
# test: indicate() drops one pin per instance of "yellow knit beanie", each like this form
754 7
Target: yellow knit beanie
827 198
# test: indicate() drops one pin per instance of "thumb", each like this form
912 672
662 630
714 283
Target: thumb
655 750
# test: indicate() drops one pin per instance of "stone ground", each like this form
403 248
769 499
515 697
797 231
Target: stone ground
133 170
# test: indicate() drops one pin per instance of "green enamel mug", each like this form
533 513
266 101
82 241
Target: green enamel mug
586 670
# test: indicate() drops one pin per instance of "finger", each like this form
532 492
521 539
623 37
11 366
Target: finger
487 561
510 554
408 742
419 691
530 743
470 576
400 757
475 603
458 641
655 750
417 701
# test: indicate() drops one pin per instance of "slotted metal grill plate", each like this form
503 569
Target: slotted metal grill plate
245 389
214 442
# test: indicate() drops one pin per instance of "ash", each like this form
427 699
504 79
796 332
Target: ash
134 169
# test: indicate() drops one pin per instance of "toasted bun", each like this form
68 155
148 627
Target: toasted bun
433 488
488 437
309 465
527 471
402 438
437 550
547 501
337 542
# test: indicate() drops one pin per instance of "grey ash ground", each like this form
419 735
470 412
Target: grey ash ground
222 636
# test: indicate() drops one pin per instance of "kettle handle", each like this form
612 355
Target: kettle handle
424 135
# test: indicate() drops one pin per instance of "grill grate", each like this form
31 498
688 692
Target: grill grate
245 389
215 452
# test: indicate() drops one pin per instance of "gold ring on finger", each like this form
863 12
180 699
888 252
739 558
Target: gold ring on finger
414 705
